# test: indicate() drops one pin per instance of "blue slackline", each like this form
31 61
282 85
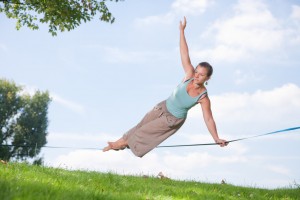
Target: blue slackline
245 138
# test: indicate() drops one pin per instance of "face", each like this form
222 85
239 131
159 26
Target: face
200 75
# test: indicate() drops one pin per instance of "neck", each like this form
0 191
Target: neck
197 85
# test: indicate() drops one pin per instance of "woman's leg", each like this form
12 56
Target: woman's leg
122 143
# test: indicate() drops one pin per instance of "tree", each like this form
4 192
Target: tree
23 122
59 14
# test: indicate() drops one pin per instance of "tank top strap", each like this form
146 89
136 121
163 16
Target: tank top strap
201 95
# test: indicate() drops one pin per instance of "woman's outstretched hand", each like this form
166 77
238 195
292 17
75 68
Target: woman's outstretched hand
182 25
221 142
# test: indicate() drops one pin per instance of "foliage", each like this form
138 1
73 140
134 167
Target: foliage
59 14
23 122
22 181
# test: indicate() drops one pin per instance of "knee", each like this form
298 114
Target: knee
139 154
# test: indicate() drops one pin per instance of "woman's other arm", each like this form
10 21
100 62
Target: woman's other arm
210 122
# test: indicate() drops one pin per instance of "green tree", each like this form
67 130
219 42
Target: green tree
59 14
23 122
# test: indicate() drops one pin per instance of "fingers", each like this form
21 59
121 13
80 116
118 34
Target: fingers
222 143
225 143
183 23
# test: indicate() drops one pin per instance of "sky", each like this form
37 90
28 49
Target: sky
103 78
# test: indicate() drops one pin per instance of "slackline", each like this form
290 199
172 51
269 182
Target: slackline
245 138
164 146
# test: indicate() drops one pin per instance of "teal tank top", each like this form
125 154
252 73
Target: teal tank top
180 101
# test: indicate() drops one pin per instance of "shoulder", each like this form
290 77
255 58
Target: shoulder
204 99
205 104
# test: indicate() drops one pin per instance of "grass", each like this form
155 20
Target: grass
23 181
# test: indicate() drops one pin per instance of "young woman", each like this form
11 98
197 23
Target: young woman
168 116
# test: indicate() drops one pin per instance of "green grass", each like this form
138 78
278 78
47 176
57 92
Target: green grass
23 181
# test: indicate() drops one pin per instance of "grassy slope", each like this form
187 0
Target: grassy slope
22 181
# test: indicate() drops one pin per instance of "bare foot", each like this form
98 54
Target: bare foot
117 145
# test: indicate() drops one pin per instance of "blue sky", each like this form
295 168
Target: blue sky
104 77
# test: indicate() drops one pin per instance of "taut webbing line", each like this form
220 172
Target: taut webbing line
179 145
245 138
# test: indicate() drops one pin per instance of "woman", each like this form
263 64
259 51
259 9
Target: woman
168 116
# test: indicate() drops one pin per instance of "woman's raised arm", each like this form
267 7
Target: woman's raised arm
184 53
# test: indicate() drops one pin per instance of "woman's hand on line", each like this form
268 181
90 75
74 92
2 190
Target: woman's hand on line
221 142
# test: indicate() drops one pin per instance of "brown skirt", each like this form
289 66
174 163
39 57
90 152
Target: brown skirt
154 128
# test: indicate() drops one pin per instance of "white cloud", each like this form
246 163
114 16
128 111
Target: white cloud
221 52
243 77
123 162
294 33
120 162
279 169
191 7
163 19
75 107
197 160
84 138
251 29
178 8
260 107
31 90
295 12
